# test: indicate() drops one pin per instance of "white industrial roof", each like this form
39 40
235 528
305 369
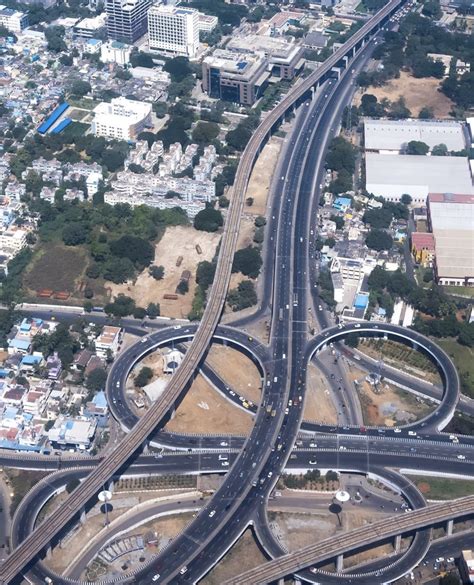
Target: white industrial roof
391 176
396 134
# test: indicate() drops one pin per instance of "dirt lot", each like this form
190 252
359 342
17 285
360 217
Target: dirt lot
262 175
177 241
387 404
240 373
56 267
299 530
242 556
204 411
418 93
318 405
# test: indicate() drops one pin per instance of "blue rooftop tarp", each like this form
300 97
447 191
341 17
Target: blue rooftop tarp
60 127
361 301
20 344
31 360
51 119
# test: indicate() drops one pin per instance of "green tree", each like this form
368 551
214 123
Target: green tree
136 249
205 132
157 272
153 310
121 306
406 199
74 234
143 377
113 159
243 296
80 88
417 147
426 113
205 274
248 261
208 220
118 270
96 380
239 137
183 287
54 35
379 240
179 68
439 150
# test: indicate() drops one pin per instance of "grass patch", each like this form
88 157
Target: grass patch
75 129
56 266
361 8
440 488
86 104
463 358
459 291
20 482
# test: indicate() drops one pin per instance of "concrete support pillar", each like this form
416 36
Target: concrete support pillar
340 564
398 543
449 527
414 345
312 92
111 485
281 581
146 448
48 551
83 516
173 411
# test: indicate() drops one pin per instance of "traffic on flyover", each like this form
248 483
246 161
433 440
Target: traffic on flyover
255 462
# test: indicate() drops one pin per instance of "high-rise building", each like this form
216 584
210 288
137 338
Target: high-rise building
173 30
126 19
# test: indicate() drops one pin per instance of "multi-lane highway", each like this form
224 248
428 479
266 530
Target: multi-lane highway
269 448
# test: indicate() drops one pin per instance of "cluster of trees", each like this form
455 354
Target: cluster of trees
55 38
69 148
248 261
143 377
59 341
370 106
208 220
243 296
122 306
341 158
204 278
182 76
382 217
300 481
228 14
238 138
449 326
117 238
386 286
326 289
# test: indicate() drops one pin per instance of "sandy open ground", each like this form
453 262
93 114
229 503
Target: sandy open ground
318 404
177 241
244 555
236 370
418 93
204 411
299 530
262 175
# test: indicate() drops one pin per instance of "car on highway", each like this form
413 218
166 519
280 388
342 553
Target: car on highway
225 464
412 433
224 444
397 430
270 473
461 457
156 577
320 308
212 513
183 570
313 462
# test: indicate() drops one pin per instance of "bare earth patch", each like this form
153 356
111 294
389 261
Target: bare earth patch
418 93
299 530
178 241
387 404
204 411
244 555
318 405
262 175
236 370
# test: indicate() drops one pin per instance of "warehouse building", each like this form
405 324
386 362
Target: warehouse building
451 219
393 136
393 176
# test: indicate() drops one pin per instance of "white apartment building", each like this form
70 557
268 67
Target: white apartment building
108 340
122 119
115 52
13 19
174 30
13 239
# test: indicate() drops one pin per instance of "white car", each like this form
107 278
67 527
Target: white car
461 457
397 430
183 570
156 577
212 513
